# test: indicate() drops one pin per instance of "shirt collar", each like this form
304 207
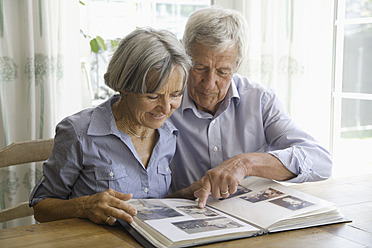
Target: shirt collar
103 122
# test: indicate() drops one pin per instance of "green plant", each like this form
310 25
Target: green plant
97 43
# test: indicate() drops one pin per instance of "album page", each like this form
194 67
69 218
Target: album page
179 222
265 203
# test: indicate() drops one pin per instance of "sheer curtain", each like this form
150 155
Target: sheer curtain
290 51
40 81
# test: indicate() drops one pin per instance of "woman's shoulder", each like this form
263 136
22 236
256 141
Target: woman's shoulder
77 123
80 121
80 117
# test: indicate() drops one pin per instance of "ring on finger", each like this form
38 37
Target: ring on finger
108 218
225 193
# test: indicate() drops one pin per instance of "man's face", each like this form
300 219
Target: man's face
210 76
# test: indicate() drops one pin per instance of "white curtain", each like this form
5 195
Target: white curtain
40 82
290 50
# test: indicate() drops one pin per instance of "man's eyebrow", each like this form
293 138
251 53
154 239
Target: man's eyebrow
198 63
224 68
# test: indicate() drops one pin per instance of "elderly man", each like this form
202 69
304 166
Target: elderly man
230 127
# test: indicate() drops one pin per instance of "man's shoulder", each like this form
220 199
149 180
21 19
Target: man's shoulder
245 85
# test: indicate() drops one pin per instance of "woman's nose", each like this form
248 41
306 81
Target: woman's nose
165 105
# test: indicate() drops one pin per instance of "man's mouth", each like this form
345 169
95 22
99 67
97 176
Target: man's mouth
207 94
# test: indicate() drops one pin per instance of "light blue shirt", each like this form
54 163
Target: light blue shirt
250 119
91 154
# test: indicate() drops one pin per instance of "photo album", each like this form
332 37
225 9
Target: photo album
260 206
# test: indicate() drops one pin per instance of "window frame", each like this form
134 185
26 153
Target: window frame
337 93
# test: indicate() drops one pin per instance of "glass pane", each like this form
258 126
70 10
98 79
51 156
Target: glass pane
113 19
357 73
352 155
186 10
358 8
356 118
165 10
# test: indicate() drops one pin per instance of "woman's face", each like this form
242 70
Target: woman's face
152 109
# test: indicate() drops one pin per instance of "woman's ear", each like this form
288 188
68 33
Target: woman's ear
123 92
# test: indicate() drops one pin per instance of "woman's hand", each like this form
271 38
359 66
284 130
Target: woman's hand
100 208
107 206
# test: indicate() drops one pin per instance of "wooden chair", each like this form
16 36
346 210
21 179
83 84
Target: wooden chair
21 153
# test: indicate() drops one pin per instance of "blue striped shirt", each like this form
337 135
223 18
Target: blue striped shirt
250 119
91 154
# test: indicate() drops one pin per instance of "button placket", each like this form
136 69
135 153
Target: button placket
214 142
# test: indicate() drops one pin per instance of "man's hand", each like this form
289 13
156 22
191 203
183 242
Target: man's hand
187 193
221 181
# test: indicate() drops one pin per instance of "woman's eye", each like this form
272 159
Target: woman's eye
175 95
152 97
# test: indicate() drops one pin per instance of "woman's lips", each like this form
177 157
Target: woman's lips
158 117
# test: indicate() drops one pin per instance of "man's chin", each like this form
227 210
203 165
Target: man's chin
205 108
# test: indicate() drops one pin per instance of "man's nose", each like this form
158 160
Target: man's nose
209 79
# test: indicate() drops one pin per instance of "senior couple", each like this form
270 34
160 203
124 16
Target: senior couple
183 124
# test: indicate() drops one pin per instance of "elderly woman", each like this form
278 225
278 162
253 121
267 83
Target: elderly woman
104 156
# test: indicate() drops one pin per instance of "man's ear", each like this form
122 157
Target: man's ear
238 65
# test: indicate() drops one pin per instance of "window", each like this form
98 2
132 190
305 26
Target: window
351 113
113 19
352 89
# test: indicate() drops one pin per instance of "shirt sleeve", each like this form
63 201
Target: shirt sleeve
62 168
299 152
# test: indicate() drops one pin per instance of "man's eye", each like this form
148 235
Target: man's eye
199 69
223 73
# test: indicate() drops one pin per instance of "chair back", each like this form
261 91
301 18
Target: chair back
21 153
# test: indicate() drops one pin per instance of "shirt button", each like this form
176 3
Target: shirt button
146 190
215 149
111 174
214 121
167 169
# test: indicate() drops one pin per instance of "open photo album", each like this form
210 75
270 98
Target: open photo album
260 206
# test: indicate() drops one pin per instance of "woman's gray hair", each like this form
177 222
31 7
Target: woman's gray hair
144 61
217 29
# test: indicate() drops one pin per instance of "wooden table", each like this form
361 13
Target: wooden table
353 196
